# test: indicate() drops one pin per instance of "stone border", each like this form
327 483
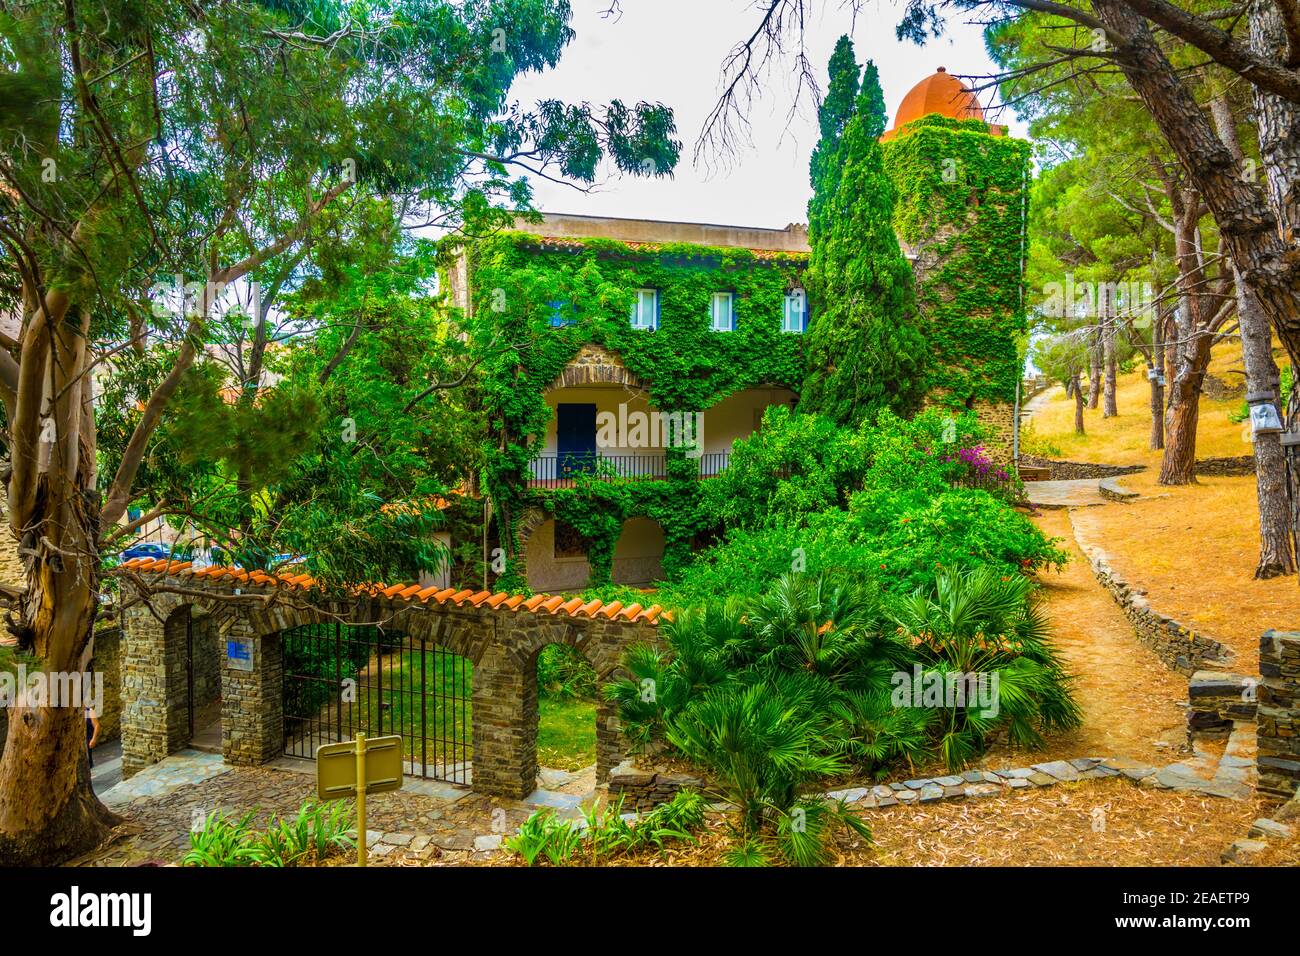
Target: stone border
1235 467
1178 646
1110 488
1230 782
1077 470
645 789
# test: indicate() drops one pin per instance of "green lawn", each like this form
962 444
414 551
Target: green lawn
566 733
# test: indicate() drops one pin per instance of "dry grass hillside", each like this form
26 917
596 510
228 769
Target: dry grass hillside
1193 548
1124 440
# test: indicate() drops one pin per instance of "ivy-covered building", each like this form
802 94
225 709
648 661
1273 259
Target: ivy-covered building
622 358
627 357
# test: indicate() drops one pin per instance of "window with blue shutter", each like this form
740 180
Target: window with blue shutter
645 309
723 312
795 317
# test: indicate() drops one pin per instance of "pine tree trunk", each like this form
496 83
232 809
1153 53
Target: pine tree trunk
1276 555
1157 414
1078 405
1094 373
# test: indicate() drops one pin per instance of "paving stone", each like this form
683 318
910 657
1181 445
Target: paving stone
487 842
1179 777
1059 769
399 839
1243 850
1040 779
955 792
1016 773
881 792
917 784
949 781
931 793
1018 784
1084 763
973 776
852 795
1269 829
888 801
906 796
976 790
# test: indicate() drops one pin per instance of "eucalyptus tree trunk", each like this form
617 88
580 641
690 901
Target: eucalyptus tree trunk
48 810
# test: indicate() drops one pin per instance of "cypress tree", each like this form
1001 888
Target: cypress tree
865 349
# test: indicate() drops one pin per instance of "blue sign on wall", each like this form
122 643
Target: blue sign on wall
239 654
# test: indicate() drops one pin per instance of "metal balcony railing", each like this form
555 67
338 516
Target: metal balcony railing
561 471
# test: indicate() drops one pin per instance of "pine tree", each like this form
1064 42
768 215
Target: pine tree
865 350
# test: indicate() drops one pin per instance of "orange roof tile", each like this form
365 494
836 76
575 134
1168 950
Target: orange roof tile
499 600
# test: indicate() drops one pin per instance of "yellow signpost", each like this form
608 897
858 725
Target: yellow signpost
358 767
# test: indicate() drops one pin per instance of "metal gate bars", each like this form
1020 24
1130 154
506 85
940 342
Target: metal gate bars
341 679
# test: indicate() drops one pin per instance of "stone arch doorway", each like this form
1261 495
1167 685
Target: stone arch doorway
568 694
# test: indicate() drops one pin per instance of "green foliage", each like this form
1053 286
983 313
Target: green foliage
876 504
864 349
316 832
962 194
685 365
982 622
608 832
562 671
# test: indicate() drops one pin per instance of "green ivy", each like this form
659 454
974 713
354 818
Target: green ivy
518 280
961 193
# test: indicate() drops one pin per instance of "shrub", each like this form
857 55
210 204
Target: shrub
318 831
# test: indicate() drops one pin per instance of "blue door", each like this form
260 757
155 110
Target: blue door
575 438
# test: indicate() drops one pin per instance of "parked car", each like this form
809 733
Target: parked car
147 549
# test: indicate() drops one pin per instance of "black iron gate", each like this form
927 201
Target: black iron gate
342 679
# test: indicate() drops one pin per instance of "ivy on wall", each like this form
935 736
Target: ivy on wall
960 196
537 302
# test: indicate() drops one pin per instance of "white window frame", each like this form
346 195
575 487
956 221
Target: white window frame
730 299
791 297
639 305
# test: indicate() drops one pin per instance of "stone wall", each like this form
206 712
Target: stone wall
1077 470
645 789
1216 699
500 634
1178 646
108 661
999 420
1236 467
1278 722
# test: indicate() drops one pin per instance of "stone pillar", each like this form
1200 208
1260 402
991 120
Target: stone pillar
252 695
1278 715
610 748
155 714
505 724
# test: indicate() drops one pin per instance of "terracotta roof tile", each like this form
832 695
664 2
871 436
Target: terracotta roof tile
498 600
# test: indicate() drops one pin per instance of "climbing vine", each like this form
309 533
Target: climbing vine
961 195
538 301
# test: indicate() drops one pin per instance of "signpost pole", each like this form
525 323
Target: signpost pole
361 799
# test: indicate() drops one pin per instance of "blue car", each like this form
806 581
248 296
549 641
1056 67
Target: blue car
147 549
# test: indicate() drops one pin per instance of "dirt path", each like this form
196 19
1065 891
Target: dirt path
1131 702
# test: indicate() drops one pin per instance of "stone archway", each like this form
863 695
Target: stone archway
596 365
501 634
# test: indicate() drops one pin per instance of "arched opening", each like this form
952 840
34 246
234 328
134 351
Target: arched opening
192 668
344 679
556 558
639 553
565 732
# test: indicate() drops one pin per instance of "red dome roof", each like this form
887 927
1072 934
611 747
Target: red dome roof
940 93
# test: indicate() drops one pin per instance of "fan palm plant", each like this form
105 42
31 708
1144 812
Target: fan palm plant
984 625
762 743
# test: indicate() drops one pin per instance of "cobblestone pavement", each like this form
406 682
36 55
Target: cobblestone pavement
428 823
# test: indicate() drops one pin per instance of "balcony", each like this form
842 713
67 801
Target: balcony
561 471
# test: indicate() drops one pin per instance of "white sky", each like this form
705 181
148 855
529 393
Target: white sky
671 51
